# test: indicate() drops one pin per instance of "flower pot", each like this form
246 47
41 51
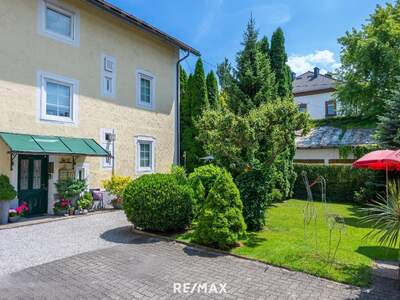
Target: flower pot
117 206
4 208
61 212
14 219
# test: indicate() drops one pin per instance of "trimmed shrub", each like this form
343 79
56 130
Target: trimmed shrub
343 183
253 189
180 174
157 202
207 175
7 191
220 223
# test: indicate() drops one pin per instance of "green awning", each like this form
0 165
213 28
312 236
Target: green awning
40 144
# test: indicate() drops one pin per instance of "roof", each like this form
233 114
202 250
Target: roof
40 144
112 9
333 137
308 82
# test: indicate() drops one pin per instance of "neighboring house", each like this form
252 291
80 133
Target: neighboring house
86 90
322 144
314 93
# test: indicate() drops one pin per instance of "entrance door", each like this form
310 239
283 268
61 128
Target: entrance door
33 182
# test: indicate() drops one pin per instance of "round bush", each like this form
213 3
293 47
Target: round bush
206 176
157 202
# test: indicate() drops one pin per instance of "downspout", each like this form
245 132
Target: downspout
178 110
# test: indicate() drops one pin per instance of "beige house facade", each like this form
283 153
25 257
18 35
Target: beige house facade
84 70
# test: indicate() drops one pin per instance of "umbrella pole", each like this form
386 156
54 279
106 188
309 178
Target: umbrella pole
387 194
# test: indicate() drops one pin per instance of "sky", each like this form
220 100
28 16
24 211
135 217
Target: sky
215 27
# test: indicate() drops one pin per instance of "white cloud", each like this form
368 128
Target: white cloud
324 59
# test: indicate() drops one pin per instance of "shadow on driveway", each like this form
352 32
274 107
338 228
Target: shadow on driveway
124 235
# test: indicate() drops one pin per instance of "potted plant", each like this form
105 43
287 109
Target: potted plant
116 187
85 202
7 193
15 214
61 207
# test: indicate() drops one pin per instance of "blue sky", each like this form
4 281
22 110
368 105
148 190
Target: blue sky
215 27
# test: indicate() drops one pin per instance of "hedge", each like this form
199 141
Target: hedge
343 183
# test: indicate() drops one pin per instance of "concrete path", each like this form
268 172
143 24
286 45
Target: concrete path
29 246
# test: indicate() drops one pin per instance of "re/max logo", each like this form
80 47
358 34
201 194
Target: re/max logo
199 288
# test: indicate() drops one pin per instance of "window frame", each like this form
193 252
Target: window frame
43 78
63 9
327 103
107 74
304 106
104 164
145 140
147 75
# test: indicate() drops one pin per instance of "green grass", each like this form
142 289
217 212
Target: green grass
283 243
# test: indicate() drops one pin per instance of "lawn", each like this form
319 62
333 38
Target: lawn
283 242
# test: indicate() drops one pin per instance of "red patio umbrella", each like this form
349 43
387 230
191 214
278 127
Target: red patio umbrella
380 160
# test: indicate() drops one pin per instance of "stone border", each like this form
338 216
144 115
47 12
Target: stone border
50 219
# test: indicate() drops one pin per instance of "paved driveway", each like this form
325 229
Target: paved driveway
117 264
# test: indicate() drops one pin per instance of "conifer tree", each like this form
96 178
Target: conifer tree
212 90
388 131
278 63
184 106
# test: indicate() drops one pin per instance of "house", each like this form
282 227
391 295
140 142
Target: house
314 93
86 91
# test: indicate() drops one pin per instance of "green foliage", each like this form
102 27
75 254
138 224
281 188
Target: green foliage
180 174
384 216
370 60
221 223
260 136
70 188
343 183
212 90
7 191
278 64
86 201
347 122
388 131
116 185
157 202
252 82
253 186
357 150
207 175
194 102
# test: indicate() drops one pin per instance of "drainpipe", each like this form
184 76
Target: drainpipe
178 110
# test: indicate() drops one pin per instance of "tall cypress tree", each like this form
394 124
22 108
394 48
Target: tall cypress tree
184 106
263 46
212 90
197 101
278 63
186 122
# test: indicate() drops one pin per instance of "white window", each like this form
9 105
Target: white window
145 154
108 142
145 89
58 22
108 70
58 98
